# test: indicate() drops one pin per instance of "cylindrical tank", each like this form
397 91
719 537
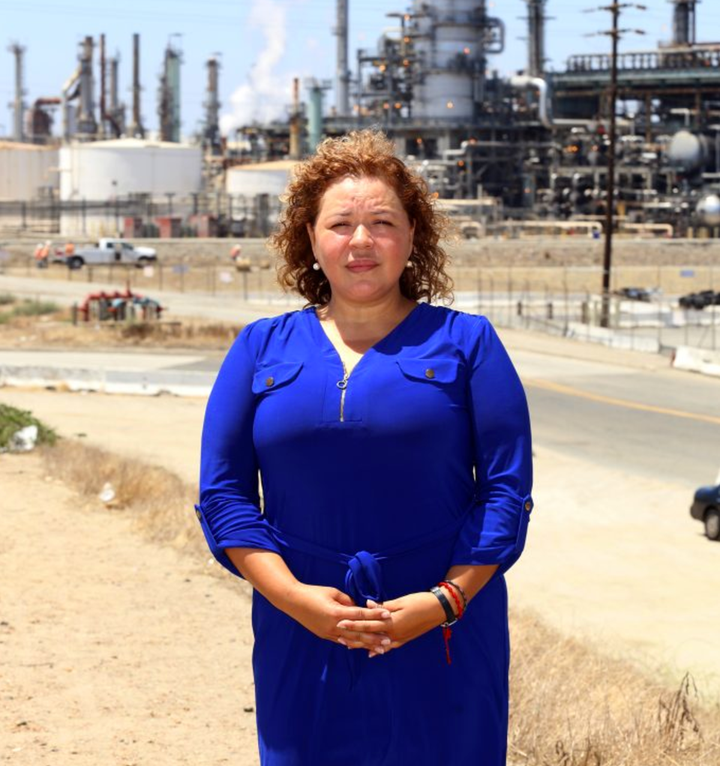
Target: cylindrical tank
448 45
259 178
689 151
104 169
25 169
708 210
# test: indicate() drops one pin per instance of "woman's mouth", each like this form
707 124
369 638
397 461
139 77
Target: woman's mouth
358 266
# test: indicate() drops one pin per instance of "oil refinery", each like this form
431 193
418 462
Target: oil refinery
532 147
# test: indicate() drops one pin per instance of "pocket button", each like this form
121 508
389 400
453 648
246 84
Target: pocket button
269 381
430 373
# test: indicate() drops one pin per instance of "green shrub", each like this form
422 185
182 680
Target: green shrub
13 420
35 308
6 299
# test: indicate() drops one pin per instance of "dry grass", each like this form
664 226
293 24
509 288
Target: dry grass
571 704
160 502
44 325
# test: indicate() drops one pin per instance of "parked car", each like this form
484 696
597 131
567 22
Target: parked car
706 508
635 294
700 300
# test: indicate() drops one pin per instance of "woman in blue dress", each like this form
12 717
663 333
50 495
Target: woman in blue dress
392 441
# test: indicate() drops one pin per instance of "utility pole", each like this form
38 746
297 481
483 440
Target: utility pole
615 34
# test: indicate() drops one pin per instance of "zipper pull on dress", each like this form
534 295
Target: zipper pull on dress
342 385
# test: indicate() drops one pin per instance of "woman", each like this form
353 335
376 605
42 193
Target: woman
393 443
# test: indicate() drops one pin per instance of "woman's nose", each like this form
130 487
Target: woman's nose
361 237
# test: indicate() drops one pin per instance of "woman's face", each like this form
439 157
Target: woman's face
362 239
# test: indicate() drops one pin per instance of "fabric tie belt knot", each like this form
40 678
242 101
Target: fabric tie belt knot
363 579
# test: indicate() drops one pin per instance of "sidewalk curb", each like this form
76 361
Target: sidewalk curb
154 383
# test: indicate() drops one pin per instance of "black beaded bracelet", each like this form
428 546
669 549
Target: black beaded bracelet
460 590
450 618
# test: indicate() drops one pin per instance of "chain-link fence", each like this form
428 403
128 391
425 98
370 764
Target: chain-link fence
208 214
561 301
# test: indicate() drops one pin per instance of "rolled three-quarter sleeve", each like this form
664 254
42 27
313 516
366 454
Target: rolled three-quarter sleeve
229 509
495 530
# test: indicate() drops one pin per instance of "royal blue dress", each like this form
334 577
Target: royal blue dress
421 462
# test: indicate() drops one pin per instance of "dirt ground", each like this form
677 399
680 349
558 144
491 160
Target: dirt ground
114 650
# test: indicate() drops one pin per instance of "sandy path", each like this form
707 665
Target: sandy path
113 651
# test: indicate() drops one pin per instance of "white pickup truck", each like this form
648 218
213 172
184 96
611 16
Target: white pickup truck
110 250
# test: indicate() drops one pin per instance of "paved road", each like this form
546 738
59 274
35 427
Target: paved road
662 424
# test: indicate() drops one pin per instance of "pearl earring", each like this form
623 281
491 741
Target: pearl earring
316 266
409 265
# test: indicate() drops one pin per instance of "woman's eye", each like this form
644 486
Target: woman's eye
384 223
338 225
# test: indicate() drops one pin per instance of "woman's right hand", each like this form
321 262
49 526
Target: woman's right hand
320 609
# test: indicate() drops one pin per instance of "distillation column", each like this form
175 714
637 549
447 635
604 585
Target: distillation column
536 37
451 40
86 123
684 27
342 78
136 129
211 133
18 104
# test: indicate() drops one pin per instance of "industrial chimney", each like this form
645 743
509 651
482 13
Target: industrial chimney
86 123
18 103
211 131
136 129
684 26
536 37
116 110
169 96
342 79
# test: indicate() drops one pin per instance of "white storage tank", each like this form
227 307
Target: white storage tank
27 170
259 178
102 169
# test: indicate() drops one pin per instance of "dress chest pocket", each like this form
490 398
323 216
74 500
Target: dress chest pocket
274 377
438 379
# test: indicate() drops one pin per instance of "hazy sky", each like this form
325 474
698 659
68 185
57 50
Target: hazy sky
264 43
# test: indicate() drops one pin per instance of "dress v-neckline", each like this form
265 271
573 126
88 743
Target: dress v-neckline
330 346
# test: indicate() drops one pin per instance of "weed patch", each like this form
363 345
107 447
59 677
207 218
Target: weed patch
13 420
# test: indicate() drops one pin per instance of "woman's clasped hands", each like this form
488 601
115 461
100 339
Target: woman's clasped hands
377 628
408 618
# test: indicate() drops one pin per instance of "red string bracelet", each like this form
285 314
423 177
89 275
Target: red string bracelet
451 591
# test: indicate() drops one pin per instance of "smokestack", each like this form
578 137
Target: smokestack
169 96
342 98
87 125
295 150
115 113
684 26
136 129
103 112
212 105
536 37
18 103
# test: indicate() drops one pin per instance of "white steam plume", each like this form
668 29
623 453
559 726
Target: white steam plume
266 94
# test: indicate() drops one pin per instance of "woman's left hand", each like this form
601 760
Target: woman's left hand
411 616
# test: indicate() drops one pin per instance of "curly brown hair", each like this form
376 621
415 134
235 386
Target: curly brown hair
360 154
